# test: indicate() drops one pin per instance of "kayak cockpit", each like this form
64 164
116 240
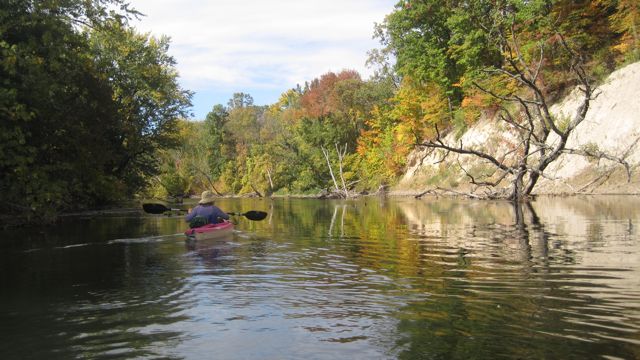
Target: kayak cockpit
210 231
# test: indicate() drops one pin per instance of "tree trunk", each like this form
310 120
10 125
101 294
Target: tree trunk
208 180
333 177
340 158
256 190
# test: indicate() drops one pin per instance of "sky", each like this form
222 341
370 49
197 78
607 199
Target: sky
261 48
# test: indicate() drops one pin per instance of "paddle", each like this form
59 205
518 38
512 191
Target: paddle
154 208
252 215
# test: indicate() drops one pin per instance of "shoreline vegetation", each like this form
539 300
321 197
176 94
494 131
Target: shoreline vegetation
135 207
93 114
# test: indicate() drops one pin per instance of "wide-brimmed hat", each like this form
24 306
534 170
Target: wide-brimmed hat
206 198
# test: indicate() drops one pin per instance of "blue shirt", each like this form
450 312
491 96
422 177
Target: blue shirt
211 212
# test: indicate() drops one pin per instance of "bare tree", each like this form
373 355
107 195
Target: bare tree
540 137
344 191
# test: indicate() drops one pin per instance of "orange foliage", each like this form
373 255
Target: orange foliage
321 98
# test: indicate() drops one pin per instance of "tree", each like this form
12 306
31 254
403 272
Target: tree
626 21
393 129
434 41
84 104
240 100
147 95
214 125
530 61
56 112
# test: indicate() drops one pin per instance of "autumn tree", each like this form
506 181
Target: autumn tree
626 22
518 52
393 127
335 108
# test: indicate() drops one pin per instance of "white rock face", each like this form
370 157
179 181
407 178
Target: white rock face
612 124
613 120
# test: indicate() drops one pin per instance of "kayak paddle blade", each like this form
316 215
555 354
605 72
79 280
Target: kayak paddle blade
255 215
251 215
155 208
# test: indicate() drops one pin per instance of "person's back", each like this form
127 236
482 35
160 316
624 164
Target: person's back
210 212
207 210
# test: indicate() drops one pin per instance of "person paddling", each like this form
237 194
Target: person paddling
206 212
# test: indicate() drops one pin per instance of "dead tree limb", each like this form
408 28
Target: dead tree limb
333 177
256 190
420 195
208 178
341 155
535 150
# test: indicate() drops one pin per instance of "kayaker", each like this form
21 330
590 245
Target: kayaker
207 210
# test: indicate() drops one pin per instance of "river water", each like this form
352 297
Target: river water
363 279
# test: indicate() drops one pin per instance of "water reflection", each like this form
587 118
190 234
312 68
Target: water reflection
517 282
362 279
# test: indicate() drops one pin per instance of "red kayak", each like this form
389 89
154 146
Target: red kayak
210 231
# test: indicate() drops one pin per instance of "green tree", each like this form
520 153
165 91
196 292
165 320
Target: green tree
56 112
215 144
240 100
233 132
437 41
84 105
147 95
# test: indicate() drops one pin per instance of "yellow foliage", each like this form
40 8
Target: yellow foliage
622 47
626 21
419 108
186 130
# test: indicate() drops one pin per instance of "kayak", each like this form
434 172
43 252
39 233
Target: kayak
210 231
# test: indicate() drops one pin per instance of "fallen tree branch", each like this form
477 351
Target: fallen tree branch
420 195
256 190
467 194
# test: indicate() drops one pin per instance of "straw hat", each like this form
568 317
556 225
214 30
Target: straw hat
206 198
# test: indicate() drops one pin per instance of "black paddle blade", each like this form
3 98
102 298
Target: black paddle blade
251 215
155 208
255 215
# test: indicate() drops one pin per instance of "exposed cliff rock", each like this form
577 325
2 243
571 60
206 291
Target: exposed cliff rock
612 126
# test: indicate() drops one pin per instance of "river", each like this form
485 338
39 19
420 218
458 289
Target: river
370 278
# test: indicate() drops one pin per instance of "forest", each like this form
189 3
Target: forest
91 112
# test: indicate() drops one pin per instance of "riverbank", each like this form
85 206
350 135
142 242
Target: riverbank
8 221
611 126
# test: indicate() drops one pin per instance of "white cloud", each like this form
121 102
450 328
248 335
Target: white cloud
256 44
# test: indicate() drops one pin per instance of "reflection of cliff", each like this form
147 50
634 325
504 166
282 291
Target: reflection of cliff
577 223
582 232
576 215
483 228
560 275
445 211
594 229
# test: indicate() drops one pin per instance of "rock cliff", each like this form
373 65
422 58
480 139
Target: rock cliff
612 126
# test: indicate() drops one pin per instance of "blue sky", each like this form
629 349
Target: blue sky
261 47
